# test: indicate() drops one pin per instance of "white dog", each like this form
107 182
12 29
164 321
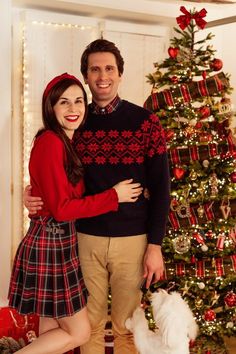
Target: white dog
174 321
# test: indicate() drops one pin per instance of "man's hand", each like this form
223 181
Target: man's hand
33 204
153 264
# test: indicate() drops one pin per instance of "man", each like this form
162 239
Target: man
119 141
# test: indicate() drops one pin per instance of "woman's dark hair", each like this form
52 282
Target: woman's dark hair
72 164
101 45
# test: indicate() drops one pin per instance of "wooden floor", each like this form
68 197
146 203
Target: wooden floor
231 345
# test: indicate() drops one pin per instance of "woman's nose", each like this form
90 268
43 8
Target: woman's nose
72 107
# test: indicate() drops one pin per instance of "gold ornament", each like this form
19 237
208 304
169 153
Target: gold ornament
215 298
224 106
198 303
183 210
200 211
185 289
193 175
214 184
181 244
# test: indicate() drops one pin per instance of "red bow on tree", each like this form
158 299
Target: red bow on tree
184 20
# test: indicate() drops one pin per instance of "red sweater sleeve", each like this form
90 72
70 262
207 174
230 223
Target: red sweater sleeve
49 181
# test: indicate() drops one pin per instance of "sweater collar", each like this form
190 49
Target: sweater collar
111 107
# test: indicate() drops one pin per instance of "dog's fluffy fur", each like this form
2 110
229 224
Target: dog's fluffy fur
175 323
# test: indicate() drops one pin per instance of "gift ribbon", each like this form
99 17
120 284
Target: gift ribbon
184 20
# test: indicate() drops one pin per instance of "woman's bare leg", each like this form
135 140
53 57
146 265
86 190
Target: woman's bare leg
47 324
70 333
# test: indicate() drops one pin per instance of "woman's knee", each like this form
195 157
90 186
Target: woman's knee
83 334
78 327
46 324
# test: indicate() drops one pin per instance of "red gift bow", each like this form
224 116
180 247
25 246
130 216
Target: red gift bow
184 20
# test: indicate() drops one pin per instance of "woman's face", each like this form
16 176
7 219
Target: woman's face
70 109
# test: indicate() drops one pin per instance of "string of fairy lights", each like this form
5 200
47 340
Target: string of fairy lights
27 114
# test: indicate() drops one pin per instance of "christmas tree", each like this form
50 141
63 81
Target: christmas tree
191 97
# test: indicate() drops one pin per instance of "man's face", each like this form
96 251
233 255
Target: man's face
103 77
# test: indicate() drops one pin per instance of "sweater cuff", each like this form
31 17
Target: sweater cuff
114 197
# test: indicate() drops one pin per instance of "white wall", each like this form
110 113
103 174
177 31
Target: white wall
224 42
5 145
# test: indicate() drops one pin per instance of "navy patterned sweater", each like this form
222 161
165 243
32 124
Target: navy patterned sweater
127 143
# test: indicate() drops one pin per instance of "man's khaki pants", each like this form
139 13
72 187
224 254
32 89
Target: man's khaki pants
117 261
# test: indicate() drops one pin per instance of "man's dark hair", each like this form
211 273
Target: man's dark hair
101 45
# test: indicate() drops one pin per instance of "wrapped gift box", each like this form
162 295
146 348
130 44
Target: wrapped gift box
24 328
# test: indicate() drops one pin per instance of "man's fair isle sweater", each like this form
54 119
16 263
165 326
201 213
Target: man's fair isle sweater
128 142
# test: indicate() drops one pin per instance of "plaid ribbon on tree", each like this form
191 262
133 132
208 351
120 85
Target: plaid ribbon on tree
187 154
211 212
205 268
188 92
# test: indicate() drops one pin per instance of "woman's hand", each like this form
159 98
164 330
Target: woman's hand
128 191
33 204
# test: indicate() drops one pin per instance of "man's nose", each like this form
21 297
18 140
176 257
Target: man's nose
102 74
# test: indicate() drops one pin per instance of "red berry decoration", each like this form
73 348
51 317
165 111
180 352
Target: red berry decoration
233 177
216 64
173 52
230 299
209 315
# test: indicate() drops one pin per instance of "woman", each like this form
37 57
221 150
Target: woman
46 277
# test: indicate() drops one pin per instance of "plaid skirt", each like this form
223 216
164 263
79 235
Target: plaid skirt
46 277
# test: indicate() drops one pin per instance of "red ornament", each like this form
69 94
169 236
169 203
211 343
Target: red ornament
198 125
209 315
208 352
169 134
233 177
199 238
220 242
209 233
230 299
173 52
204 112
205 137
178 172
174 79
216 64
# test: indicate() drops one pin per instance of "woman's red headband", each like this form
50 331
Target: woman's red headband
57 79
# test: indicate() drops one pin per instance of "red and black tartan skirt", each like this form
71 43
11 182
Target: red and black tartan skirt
46 277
